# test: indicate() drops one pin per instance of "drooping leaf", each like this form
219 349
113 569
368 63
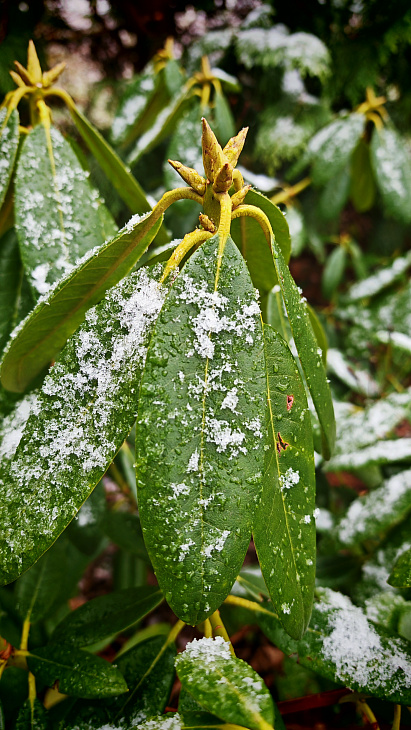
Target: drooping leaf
78 673
298 234
40 587
14 301
343 645
357 379
9 142
372 515
32 717
392 169
106 616
124 529
333 271
129 190
57 315
225 685
223 118
383 278
251 241
77 422
148 669
57 218
164 125
319 333
334 195
331 148
284 524
308 351
363 188
384 452
143 99
401 573
204 368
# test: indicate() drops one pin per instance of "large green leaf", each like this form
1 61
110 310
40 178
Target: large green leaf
308 351
148 669
401 572
57 315
363 188
368 517
284 524
330 149
129 190
106 616
32 716
13 294
343 645
57 218
78 421
78 673
40 587
142 100
225 685
9 142
251 241
199 441
392 169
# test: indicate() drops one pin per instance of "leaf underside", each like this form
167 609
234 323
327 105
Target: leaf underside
199 448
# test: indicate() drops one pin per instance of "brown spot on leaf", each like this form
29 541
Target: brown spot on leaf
281 445
290 401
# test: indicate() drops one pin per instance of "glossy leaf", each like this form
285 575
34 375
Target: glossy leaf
401 573
78 673
124 529
129 190
77 422
204 368
377 282
57 219
363 189
11 280
284 524
370 516
251 241
163 126
319 333
331 148
57 315
225 685
9 141
308 351
223 118
341 644
40 587
148 669
32 717
333 271
106 616
392 169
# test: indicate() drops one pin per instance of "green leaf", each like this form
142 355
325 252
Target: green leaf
40 587
129 190
343 645
57 315
78 421
319 333
372 515
57 219
77 672
10 284
331 148
148 669
308 351
142 100
392 169
377 282
284 524
349 373
225 685
9 142
106 616
124 529
383 452
334 195
223 118
333 271
362 189
163 126
85 531
251 241
204 368
32 717
298 232
400 576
